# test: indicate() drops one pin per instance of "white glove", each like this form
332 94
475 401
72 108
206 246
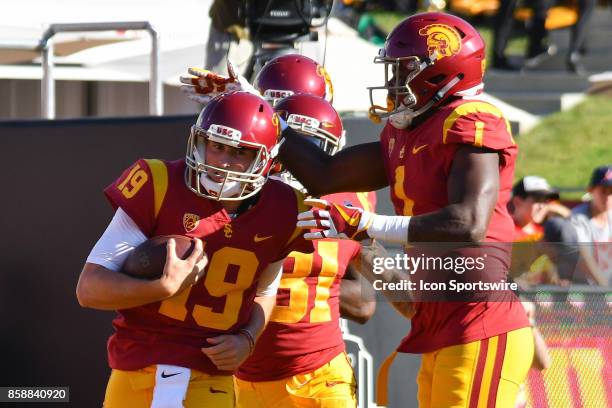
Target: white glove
202 85
331 220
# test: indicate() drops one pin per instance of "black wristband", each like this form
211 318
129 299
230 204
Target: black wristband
247 334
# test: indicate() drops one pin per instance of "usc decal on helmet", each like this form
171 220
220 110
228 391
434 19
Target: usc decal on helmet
428 59
239 120
292 74
442 39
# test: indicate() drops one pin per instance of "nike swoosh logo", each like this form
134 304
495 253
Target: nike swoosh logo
415 150
164 375
257 238
213 391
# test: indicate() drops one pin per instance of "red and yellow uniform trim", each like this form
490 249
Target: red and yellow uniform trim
485 373
469 109
160 182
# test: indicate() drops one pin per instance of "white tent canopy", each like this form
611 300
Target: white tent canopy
183 27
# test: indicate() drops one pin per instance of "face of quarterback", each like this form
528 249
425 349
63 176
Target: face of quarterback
226 157
223 167
232 147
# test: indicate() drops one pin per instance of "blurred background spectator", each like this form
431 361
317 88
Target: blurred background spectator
578 35
534 204
228 25
537 48
593 224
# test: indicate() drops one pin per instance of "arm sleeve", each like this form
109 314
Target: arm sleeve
270 279
581 227
140 192
116 243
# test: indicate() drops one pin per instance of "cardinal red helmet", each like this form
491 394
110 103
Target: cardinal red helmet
240 120
292 74
428 58
314 117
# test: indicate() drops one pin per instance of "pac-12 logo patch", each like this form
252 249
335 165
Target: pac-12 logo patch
442 39
190 221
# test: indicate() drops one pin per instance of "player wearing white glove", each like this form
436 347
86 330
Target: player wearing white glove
202 85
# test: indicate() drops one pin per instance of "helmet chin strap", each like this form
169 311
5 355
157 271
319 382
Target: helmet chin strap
403 118
224 189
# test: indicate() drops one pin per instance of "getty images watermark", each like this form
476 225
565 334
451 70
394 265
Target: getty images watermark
427 274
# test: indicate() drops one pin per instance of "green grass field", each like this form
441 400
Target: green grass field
566 146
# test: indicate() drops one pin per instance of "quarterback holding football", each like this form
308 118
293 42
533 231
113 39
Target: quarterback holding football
300 359
179 338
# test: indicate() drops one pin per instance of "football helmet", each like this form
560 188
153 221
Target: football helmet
313 117
292 74
428 58
239 120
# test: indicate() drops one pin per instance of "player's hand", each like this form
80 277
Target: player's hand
539 212
179 274
202 85
369 252
529 310
334 221
228 351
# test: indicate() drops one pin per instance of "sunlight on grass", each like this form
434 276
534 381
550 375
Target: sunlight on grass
566 146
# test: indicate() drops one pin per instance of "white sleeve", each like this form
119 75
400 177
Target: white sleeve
120 238
270 279
582 227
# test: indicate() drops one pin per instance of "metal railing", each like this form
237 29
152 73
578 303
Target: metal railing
363 364
45 46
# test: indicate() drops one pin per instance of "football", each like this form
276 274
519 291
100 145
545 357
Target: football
148 259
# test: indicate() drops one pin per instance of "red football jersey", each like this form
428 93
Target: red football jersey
418 163
153 193
304 330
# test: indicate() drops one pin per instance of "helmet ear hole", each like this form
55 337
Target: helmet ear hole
461 33
436 79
